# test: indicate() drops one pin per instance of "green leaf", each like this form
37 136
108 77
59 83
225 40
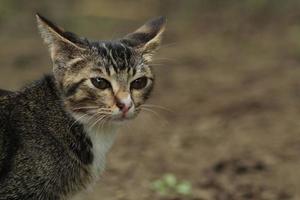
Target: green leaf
158 185
170 180
184 188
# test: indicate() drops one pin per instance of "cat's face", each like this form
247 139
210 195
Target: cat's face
103 80
110 79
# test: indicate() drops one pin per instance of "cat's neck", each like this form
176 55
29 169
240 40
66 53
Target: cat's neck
102 140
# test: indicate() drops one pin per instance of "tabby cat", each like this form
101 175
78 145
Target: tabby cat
55 133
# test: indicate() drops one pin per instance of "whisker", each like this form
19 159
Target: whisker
155 114
90 107
158 107
163 46
156 64
98 113
98 120
87 107
77 120
90 118
105 119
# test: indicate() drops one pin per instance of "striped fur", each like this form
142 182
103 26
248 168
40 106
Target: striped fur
77 60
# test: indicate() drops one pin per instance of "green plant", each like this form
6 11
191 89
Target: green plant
170 185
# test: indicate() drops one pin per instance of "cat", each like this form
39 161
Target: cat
55 132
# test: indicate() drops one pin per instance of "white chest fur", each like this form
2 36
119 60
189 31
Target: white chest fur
102 140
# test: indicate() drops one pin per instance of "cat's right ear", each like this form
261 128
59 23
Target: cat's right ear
63 45
147 38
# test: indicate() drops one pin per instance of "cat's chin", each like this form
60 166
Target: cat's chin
121 120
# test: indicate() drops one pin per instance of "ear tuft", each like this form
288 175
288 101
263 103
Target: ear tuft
56 38
42 21
48 30
147 38
63 46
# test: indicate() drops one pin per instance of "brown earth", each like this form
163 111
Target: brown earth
228 71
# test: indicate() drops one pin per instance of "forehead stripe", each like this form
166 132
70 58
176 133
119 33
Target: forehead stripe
107 70
74 61
114 63
115 56
133 71
125 54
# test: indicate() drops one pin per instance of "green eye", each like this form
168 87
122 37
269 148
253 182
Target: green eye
139 83
100 83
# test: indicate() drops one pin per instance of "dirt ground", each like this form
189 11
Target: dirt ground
228 73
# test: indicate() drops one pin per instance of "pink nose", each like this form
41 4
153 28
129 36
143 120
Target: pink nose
123 107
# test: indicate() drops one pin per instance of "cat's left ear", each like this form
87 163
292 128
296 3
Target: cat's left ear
62 44
147 38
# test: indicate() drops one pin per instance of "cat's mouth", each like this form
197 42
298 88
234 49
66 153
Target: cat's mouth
119 116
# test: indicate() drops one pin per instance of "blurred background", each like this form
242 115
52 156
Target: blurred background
228 93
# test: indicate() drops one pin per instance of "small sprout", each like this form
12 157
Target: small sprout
170 180
160 186
184 188
168 185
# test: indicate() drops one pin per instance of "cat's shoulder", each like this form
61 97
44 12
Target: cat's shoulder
5 92
5 101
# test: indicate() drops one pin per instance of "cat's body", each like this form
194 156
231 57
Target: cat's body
41 157
51 144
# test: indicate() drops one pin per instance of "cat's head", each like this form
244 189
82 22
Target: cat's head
103 80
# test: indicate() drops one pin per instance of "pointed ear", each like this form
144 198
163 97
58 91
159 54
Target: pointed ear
148 37
63 45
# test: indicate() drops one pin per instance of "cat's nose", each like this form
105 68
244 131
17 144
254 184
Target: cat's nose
124 102
124 107
120 105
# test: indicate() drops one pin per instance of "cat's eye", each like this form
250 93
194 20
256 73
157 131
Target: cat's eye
100 83
139 83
